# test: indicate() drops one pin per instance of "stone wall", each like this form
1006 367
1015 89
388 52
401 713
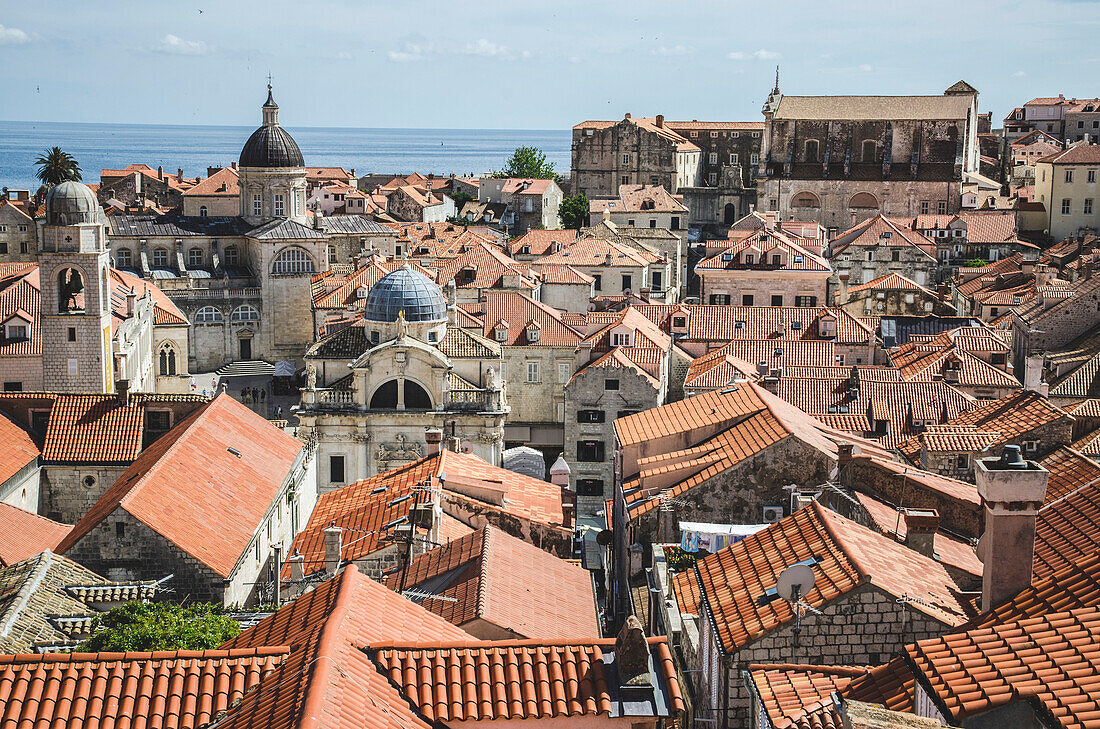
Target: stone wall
895 198
65 495
598 167
557 540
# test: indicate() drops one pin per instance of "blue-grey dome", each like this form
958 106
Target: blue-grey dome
404 289
72 203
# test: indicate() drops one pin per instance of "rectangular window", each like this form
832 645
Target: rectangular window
962 462
719 299
590 416
805 301
626 281
598 284
653 222
656 281
626 158
746 299
941 207
563 372
13 387
924 207
23 248
589 487
733 158
278 205
336 469
1069 175
777 299
712 158
590 451
714 135
22 229
895 256
1088 206
754 158
611 384
1065 206
533 372
712 179
675 222
74 367
257 205
1092 176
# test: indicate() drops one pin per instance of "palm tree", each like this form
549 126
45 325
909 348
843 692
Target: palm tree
56 166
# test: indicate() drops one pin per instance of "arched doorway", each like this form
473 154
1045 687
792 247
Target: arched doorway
416 397
729 215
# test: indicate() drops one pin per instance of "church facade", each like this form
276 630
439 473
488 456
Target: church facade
399 383
242 280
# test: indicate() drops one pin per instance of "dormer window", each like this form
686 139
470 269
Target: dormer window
532 335
798 259
620 339
739 325
15 330
727 256
749 259
501 334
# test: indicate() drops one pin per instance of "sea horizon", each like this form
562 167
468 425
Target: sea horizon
194 147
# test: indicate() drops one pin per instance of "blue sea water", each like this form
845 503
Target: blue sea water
194 148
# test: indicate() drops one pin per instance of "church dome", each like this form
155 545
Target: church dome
271 145
72 203
404 289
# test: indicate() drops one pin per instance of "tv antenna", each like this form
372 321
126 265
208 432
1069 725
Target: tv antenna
794 582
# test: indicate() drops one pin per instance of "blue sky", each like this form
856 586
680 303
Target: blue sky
408 63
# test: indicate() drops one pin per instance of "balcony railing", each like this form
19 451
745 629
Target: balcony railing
206 294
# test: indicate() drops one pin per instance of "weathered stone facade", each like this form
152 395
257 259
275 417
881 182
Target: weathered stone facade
632 151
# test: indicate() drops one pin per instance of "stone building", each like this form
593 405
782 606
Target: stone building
18 239
1082 121
141 184
839 160
218 195
894 295
619 263
244 280
765 268
642 151
409 204
864 594
209 504
407 372
1066 184
530 204
878 247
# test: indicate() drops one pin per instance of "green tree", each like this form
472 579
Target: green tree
160 626
573 211
55 166
461 198
528 162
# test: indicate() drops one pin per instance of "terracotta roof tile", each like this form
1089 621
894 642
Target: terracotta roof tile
93 429
593 251
711 323
213 185
949 549
801 696
483 266
493 577
20 295
515 308
185 689
542 242
891 685
763 245
1069 471
846 555
192 488
24 534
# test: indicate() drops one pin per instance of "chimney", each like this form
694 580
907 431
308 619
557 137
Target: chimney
1012 490
660 121
131 301
762 368
771 382
122 392
160 172
179 172
559 472
921 526
771 219
627 115
233 165
297 567
845 453
632 660
332 548
433 437
1033 375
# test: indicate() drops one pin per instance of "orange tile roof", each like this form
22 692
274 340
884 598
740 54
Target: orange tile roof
165 310
494 577
19 449
639 198
191 487
949 549
93 429
20 295
594 251
371 508
800 696
525 186
333 291
514 680
488 265
556 273
1068 528
891 282
1069 471
891 685
870 232
710 323
24 534
847 555
542 242
1052 661
213 185
517 309
184 689
686 586
704 410
763 244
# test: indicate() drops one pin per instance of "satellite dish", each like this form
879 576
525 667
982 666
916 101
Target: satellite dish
795 582
605 537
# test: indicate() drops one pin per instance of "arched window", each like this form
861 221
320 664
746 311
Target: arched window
385 397
194 257
805 200
208 314
70 290
124 258
416 397
863 200
160 257
812 147
244 312
168 359
232 256
870 150
293 260
202 211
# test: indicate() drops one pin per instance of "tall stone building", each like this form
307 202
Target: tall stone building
74 269
838 160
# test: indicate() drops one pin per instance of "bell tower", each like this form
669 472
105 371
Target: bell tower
75 300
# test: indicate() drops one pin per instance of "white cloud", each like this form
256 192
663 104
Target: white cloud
484 47
676 50
575 59
343 56
409 52
865 67
760 55
1019 74
12 36
179 47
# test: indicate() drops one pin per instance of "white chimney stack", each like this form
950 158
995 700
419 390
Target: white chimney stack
332 548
